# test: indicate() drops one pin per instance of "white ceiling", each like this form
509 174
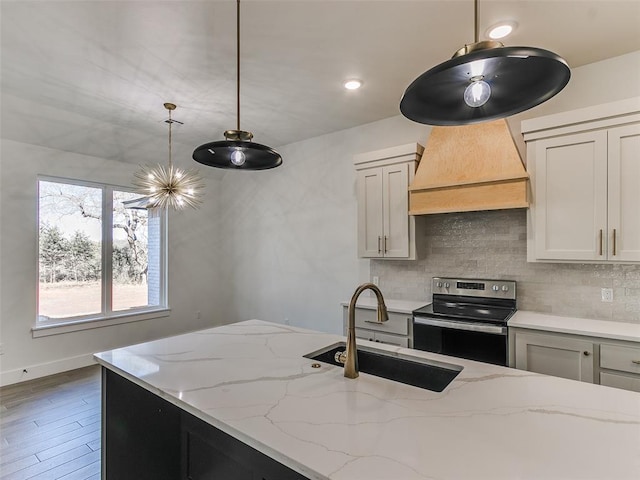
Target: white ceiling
91 76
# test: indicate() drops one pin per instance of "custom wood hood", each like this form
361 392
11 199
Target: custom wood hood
469 168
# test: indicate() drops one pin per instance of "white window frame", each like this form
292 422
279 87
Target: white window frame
107 316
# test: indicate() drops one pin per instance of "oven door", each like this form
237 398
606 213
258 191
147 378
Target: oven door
479 341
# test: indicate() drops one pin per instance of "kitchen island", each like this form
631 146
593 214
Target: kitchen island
250 382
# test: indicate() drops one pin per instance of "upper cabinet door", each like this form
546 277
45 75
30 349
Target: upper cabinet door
370 213
624 193
385 228
570 197
395 197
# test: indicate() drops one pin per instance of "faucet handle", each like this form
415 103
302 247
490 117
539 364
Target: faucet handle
340 357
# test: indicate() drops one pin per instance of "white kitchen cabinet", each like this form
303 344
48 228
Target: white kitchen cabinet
612 362
585 177
395 331
385 228
620 366
624 193
555 354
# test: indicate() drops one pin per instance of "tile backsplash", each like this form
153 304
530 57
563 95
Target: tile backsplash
493 244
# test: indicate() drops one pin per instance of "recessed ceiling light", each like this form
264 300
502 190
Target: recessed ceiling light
501 30
352 84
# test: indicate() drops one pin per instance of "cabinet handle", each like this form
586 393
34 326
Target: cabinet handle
614 241
600 243
586 353
637 362
373 321
379 249
385 244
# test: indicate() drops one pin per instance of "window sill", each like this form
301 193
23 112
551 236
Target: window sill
67 326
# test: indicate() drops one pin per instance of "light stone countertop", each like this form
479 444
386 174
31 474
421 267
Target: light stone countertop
250 379
576 326
397 306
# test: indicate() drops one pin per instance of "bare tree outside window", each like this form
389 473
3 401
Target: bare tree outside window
130 253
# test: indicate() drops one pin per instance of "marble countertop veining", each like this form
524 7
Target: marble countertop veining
576 326
250 379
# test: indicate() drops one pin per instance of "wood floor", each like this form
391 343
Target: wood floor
50 427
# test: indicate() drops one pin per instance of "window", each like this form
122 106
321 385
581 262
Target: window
98 259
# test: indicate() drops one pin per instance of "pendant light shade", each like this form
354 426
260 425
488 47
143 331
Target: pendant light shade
484 81
237 151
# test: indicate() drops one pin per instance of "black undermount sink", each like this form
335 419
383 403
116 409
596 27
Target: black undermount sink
419 372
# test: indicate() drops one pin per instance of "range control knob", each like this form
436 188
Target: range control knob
505 288
439 284
446 284
495 288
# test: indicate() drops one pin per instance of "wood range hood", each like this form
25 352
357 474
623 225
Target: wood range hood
469 168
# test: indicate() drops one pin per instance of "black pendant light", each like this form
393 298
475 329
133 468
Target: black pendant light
484 81
237 151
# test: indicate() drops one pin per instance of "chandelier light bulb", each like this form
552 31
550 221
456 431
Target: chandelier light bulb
238 158
477 93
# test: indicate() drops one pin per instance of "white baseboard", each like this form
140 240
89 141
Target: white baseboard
42 370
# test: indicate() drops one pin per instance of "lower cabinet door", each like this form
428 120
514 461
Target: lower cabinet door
147 438
625 382
141 432
555 355
206 461
211 454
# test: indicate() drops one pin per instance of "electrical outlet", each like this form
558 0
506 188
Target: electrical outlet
607 294
376 281
197 315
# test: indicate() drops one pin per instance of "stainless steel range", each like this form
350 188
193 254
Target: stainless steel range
467 319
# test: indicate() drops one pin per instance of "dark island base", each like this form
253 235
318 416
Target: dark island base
147 438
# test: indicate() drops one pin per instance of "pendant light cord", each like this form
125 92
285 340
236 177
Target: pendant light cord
476 21
238 60
170 124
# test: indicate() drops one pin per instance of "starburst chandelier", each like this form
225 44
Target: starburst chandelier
168 186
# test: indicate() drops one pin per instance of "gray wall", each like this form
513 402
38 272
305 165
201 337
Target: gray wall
493 245
194 253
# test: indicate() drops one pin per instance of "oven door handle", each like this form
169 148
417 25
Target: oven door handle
454 325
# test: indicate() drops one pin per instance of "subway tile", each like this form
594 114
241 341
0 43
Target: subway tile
493 245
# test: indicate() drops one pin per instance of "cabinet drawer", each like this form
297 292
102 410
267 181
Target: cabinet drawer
620 381
617 357
398 323
366 334
392 339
